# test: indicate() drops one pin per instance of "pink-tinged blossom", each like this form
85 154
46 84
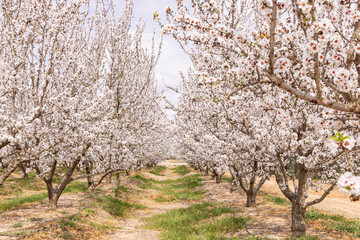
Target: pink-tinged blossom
349 143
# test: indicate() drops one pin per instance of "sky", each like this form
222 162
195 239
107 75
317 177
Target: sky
173 59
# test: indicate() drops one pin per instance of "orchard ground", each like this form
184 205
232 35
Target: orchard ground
167 202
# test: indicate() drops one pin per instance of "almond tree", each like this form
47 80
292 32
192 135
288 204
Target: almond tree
297 46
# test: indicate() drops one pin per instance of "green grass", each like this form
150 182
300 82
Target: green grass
158 170
337 222
181 170
226 179
16 186
181 189
17 225
304 237
199 221
274 199
76 187
34 219
116 206
14 203
119 190
162 199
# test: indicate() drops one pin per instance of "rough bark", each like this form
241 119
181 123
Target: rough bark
10 169
23 169
298 210
218 178
251 199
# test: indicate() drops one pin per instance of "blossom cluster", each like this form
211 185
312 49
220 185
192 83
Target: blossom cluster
350 184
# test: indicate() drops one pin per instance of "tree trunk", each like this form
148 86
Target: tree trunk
90 177
298 210
24 173
250 199
218 178
127 172
52 195
118 176
298 225
108 178
206 171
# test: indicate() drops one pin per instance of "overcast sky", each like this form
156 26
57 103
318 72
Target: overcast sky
173 59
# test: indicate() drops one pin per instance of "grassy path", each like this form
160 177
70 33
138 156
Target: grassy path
177 210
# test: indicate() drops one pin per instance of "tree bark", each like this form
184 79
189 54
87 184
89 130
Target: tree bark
298 225
250 199
9 170
298 210
218 178
206 171
53 195
23 169
108 178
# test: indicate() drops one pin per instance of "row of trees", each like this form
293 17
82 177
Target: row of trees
77 91
273 91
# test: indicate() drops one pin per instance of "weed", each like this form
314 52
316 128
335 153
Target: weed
34 219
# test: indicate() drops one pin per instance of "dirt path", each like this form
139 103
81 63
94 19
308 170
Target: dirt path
132 227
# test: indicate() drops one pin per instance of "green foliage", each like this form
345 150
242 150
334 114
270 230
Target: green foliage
336 222
14 203
340 138
117 207
158 170
181 170
34 219
199 221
